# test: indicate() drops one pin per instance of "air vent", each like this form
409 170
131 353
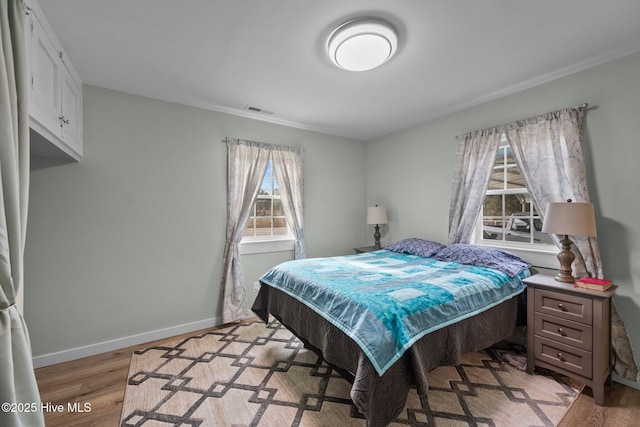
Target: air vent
257 110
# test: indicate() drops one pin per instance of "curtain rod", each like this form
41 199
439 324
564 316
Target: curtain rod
227 140
585 105
286 147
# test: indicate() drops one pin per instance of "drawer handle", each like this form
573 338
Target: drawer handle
561 357
562 332
562 307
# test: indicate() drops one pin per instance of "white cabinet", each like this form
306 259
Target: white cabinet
71 112
55 109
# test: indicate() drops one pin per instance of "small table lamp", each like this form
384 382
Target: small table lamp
377 215
569 218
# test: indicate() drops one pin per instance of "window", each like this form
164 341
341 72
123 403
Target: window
508 217
267 218
267 229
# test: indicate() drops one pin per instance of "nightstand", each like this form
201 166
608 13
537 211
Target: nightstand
569 331
366 249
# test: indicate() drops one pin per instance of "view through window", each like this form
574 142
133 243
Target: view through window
267 218
508 215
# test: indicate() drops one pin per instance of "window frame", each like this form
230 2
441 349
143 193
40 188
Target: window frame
539 254
267 243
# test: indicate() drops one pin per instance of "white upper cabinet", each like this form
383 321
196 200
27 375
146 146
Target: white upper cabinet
55 109
71 112
45 77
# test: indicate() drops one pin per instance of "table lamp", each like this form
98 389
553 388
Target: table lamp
377 215
569 218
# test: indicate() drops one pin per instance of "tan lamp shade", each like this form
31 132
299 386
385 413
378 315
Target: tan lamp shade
570 218
377 215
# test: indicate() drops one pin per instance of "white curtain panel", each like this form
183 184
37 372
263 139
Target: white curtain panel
246 166
548 151
288 165
17 379
474 163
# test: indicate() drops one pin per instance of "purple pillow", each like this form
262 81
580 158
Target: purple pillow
482 256
415 246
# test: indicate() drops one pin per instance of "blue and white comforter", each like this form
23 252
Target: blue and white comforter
385 301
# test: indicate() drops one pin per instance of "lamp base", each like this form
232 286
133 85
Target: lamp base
566 258
564 277
377 236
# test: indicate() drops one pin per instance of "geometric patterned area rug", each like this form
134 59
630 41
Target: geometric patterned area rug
257 374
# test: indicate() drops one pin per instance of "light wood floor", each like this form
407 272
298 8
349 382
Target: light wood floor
100 381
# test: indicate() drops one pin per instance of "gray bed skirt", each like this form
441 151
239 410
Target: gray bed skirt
381 398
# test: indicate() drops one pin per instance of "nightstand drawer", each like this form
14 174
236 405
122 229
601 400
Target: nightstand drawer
572 307
563 356
564 331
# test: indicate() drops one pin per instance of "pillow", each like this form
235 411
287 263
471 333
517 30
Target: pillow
481 256
415 246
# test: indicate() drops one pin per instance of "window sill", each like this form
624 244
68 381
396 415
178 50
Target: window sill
259 246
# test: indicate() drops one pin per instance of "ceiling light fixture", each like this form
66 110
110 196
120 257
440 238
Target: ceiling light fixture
362 44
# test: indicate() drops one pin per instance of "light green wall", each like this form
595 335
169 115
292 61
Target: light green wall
130 239
410 172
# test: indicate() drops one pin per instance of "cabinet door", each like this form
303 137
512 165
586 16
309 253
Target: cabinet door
45 79
71 112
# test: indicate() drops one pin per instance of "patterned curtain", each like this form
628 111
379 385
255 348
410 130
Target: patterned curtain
246 166
288 163
474 163
548 151
17 379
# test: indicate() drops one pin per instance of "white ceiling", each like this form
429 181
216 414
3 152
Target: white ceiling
224 55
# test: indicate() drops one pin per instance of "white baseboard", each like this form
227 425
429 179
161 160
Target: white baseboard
116 344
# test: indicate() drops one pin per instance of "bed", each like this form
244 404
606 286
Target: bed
384 319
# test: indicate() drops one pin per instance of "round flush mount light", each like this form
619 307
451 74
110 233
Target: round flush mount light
362 44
